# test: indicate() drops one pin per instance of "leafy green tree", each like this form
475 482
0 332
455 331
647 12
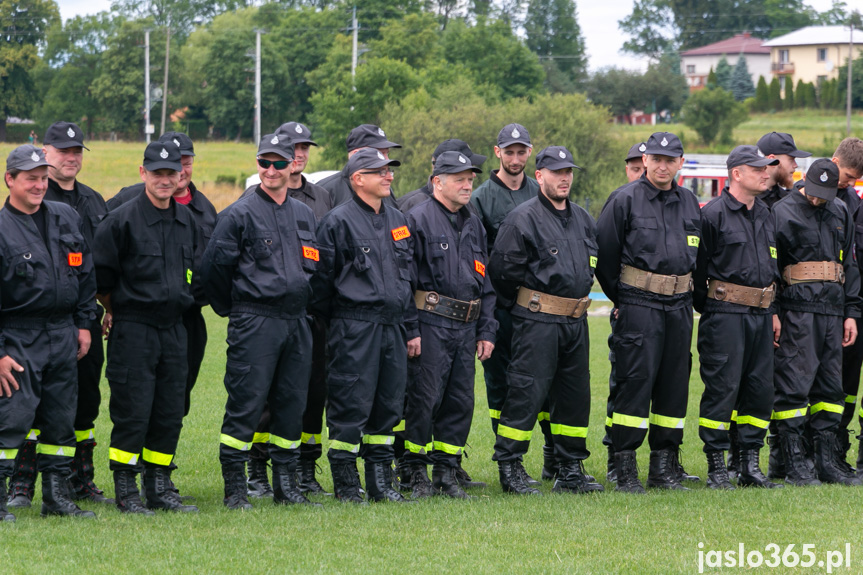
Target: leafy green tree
774 95
741 80
619 90
414 40
554 35
179 15
650 28
723 74
762 95
712 79
856 82
713 113
788 103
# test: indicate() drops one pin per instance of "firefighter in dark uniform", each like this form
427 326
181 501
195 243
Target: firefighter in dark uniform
780 146
362 288
256 271
649 233
819 303
63 148
47 305
455 307
734 286
542 270
145 253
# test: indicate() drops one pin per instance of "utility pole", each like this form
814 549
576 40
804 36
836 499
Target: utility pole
848 88
258 33
165 84
148 129
356 28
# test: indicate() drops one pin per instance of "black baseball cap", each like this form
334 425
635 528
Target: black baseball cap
513 134
822 179
369 136
664 144
555 158
25 158
749 156
456 145
454 163
181 140
368 159
780 143
162 156
636 151
277 144
298 133
64 135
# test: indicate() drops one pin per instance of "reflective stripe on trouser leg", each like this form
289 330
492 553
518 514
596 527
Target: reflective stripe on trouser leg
156 458
85 435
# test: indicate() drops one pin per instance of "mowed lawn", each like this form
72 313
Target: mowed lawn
494 533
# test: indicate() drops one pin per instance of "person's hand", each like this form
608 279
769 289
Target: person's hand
84 340
8 383
414 348
850 335
777 330
484 349
107 324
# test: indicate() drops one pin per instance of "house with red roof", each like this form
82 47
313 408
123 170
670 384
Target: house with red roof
695 64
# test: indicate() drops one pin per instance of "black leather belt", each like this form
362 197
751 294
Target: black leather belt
437 304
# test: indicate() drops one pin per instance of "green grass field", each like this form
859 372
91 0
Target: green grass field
495 533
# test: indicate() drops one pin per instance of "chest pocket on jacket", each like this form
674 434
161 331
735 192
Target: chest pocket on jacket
22 261
734 238
71 250
400 249
147 261
644 235
809 238
309 254
261 245
548 255
361 252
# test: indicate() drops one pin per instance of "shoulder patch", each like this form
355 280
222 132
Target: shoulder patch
401 233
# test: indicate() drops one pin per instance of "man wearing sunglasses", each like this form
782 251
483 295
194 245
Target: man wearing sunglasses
256 271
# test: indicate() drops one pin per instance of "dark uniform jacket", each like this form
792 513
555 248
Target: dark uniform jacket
339 187
493 201
310 194
450 259
541 249
652 230
415 198
261 258
51 278
805 233
852 200
85 200
364 270
773 195
738 246
146 262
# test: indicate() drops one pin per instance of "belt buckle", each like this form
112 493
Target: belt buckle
674 287
763 293
840 274
433 298
534 305
474 305
719 293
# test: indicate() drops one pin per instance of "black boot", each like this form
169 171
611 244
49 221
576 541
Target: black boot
56 497
83 474
285 488
157 486
843 437
403 475
512 480
173 488
465 480
126 494
258 485
235 486
626 469
23 482
527 479
4 513
611 474
549 463
346 482
798 469
717 472
750 474
663 472
827 462
379 483
733 464
306 478
571 478
776 462
445 482
682 474
421 487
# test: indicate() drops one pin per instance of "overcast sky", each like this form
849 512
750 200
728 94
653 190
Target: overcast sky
598 21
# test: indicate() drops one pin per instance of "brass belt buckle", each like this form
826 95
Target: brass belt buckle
534 305
432 299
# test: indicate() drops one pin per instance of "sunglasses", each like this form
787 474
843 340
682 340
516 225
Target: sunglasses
382 173
278 164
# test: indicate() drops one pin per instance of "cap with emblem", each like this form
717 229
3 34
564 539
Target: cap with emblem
162 156
780 143
513 134
454 163
664 144
822 179
25 158
277 144
749 156
555 158
369 136
64 135
181 140
636 151
298 133
369 159
456 145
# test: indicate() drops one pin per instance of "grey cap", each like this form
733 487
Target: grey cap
555 158
25 158
368 159
636 151
162 156
456 145
822 179
298 133
780 143
513 134
454 163
63 135
749 156
664 144
369 136
181 140
277 144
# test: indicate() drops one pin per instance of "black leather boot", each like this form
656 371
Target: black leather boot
663 472
379 483
258 484
5 515
421 486
346 482
549 463
445 482
750 474
512 478
798 469
22 485
56 497
717 472
126 494
682 474
611 474
776 462
235 486
306 469
626 469
571 478
285 488
83 474
828 463
157 487
403 475
527 479
172 487
465 480
843 446
733 465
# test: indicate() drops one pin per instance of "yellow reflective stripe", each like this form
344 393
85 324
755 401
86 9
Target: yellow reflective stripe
33 435
447 448
284 443
121 456
824 406
85 435
850 399
416 448
543 416
568 430
342 446
512 433
733 415
378 439
310 438
790 413
711 424
8 453
609 422
400 426
261 438
234 442
494 413
61 450
629 421
753 421
163 459
665 421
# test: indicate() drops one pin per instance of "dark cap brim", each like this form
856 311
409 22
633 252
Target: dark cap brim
303 141
816 191
65 145
162 165
509 143
30 165
477 159
759 163
662 152
276 151
187 153
799 154
456 170
559 165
